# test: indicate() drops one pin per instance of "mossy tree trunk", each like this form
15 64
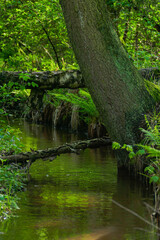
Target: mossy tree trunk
114 83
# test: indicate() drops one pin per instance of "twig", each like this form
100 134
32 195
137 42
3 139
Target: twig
144 230
135 214
149 208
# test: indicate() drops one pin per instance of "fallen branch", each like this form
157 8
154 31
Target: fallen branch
50 154
135 214
60 79
45 80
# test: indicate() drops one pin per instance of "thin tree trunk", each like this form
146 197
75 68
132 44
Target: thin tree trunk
136 41
51 43
127 25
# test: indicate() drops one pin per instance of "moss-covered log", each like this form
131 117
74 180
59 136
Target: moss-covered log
62 79
45 80
50 154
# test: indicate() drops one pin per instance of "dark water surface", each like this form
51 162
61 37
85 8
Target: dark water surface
71 197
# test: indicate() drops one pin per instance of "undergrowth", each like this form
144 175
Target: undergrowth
12 176
148 151
11 181
82 99
149 148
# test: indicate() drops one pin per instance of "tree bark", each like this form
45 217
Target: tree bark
51 154
116 87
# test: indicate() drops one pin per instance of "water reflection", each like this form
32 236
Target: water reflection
41 137
71 197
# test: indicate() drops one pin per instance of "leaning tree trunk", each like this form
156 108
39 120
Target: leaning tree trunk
114 83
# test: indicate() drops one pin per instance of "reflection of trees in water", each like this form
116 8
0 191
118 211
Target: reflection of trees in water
131 193
43 136
76 190
72 195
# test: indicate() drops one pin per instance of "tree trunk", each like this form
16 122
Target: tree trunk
115 85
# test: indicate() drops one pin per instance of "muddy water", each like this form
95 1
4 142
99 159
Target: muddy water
71 197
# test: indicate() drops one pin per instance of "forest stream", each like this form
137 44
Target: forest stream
71 196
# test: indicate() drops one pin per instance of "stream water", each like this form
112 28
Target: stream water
71 197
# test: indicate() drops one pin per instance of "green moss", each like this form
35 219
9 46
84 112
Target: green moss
153 89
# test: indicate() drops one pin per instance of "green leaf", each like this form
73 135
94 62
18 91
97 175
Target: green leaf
2 197
116 145
34 84
149 169
129 148
14 205
131 155
140 152
154 179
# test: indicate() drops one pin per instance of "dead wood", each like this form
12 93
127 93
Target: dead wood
45 80
61 79
50 154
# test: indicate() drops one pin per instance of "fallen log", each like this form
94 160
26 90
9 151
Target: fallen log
50 154
61 79
44 80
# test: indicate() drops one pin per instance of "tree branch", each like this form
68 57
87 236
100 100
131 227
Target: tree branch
46 80
50 154
61 79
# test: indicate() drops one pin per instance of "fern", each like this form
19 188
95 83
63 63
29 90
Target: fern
151 151
83 100
150 148
152 136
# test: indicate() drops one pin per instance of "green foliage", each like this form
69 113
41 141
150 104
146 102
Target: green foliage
149 148
10 140
153 89
152 149
11 176
34 35
83 100
132 154
116 145
137 24
10 95
26 77
11 181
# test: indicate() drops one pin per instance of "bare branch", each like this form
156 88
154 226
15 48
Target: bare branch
135 214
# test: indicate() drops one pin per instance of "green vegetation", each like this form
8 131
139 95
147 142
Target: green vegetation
147 153
12 96
34 36
137 24
153 89
10 139
82 99
11 176
11 181
149 148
